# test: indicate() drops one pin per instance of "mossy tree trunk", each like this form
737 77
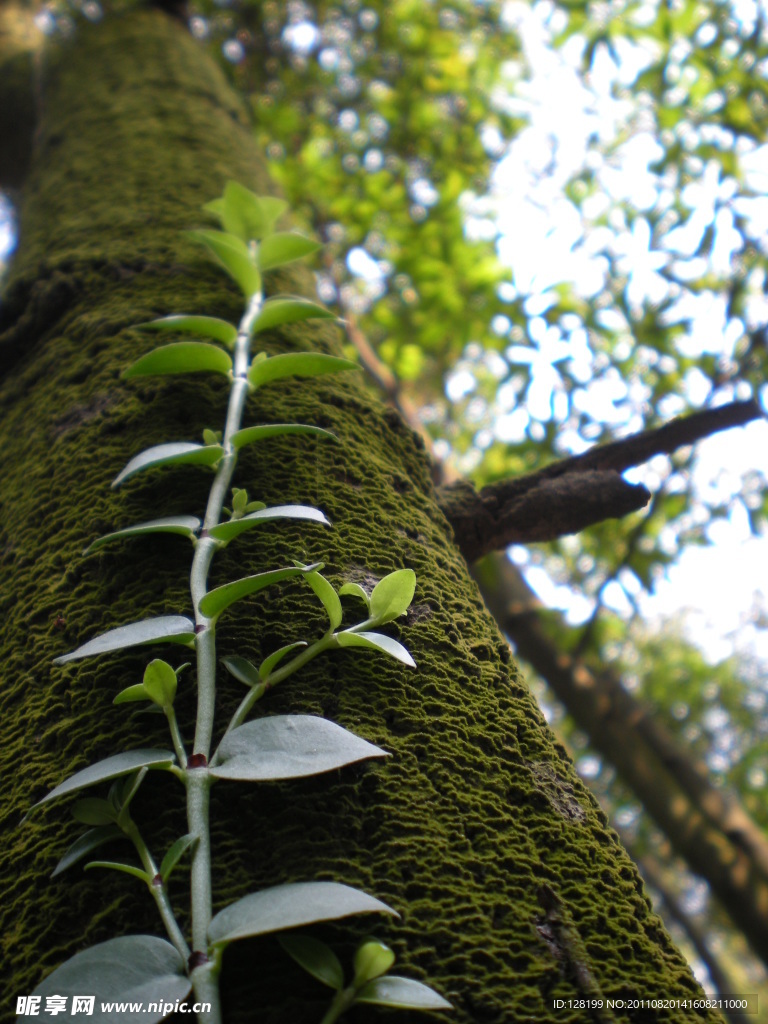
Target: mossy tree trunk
513 891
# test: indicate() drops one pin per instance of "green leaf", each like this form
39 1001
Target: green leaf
85 844
392 595
174 855
208 326
181 357
92 810
232 253
260 433
133 968
111 768
315 957
288 747
241 669
288 906
296 364
216 601
402 993
285 247
279 311
276 657
372 959
377 642
176 452
328 597
185 526
132 694
116 865
174 629
160 682
253 216
355 590
227 531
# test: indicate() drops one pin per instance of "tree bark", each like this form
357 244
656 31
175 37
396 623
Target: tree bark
513 890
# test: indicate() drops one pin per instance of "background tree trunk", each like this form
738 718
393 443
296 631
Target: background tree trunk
513 890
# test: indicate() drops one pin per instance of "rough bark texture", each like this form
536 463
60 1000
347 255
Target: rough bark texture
513 890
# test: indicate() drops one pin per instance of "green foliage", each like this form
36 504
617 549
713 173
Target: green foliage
265 749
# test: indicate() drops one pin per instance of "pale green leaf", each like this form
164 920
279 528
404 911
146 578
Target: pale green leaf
132 694
392 595
208 326
288 906
111 768
279 311
285 247
372 959
226 531
355 590
377 642
216 601
166 629
265 430
254 216
233 254
403 993
181 357
328 597
315 957
160 682
185 526
296 364
288 747
133 968
173 453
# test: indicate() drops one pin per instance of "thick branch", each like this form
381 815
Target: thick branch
570 495
707 826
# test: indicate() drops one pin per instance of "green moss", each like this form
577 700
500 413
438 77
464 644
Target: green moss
477 825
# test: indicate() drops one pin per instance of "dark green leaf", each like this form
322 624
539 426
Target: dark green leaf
285 247
208 326
241 669
260 433
216 601
233 254
174 855
276 657
86 844
166 629
92 810
288 747
392 595
185 526
288 906
226 531
315 957
134 968
402 993
111 768
296 364
378 642
182 357
279 311
116 865
176 452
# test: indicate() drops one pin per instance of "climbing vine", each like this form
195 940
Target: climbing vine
164 971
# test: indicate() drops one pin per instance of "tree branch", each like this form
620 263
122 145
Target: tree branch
570 495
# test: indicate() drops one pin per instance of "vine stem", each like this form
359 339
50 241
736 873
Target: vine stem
205 972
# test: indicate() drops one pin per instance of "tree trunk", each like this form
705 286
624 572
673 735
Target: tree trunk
513 891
